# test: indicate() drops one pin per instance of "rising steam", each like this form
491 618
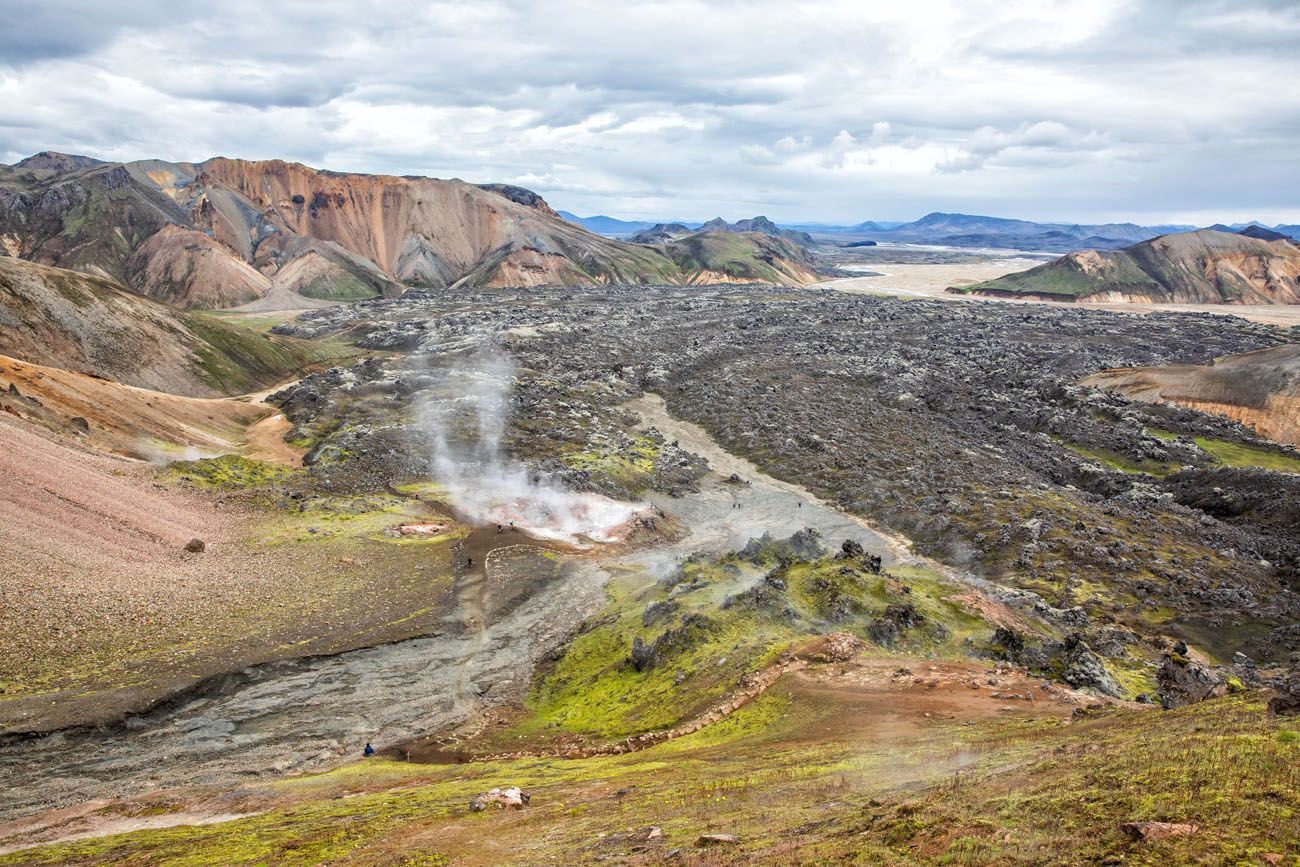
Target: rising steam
466 426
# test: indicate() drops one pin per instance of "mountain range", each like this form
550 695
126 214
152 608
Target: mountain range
943 229
226 232
1201 267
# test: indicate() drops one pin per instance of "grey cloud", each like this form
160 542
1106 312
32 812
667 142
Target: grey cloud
830 110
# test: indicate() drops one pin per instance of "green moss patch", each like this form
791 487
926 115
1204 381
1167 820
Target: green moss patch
228 472
1124 463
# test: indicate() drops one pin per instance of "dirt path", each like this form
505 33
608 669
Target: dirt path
85 821
265 441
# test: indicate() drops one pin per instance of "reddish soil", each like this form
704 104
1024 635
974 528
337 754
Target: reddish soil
103 611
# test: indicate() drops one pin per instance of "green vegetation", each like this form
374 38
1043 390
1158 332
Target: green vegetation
1117 461
259 322
234 358
339 287
738 255
1231 454
228 472
629 470
1075 276
359 517
797 776
713 622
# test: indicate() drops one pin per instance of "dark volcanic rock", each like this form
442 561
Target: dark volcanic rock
1083 669
1287 698
961 426
1183 682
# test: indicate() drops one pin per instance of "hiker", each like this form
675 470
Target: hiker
469 563
500 529
368 751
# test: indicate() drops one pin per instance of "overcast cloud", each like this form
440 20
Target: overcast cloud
1081 110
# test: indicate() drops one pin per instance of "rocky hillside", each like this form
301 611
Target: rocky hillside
225 232
1259 389
95 326
721 257
661 233
1204 267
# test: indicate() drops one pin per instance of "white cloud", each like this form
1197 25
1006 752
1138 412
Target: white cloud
832 110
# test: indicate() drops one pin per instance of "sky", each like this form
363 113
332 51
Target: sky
836 112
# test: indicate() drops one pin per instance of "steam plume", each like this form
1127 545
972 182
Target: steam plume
466 426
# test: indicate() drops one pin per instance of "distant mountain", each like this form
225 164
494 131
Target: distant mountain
660 233
836 229
761 225
639 232
1263 234
53 161
225 232
968 230
938 228
608 226
749 256
1202 267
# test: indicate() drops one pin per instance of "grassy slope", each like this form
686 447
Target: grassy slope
235 357
810 772
740 255
1230 454
96 325
792 779
1064 278
595 692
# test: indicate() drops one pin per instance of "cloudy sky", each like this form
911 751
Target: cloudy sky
831 111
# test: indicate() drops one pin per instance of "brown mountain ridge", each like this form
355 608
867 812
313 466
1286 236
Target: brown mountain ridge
1203 267
226 232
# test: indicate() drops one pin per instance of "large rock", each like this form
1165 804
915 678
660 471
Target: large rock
1287 699
1145 832
1084 669
1183 682
839 647
509 798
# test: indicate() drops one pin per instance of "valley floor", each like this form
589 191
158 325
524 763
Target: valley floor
916 585
924 280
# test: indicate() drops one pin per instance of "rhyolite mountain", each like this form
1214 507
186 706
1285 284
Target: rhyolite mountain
1202 267
224 232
